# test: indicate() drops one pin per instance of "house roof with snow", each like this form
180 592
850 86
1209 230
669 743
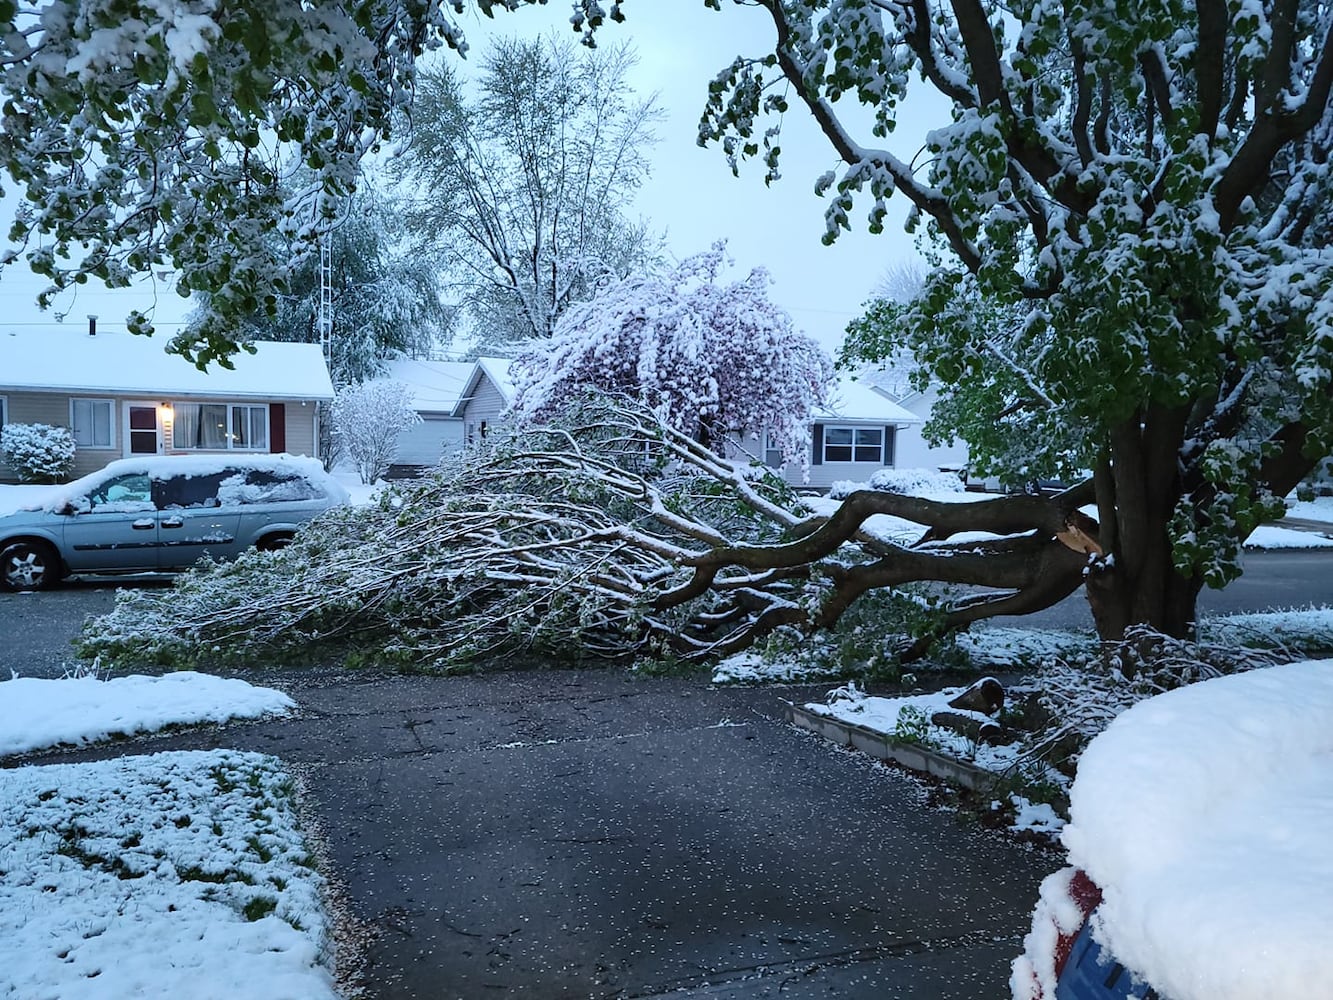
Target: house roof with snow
75 361
494 369
861 401
436 386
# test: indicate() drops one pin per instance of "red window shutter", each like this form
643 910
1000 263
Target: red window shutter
277 427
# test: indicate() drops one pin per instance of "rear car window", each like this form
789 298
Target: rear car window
189 491
261 486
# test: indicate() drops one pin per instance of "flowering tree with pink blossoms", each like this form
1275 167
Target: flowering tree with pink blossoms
712 360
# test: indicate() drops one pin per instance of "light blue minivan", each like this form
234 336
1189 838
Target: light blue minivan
162 513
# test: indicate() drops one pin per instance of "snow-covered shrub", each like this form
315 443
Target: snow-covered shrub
367 418
916 482
38 453
703 356
905 482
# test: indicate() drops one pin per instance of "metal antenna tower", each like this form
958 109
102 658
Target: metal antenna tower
326 296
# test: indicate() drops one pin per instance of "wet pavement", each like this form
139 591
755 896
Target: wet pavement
594 834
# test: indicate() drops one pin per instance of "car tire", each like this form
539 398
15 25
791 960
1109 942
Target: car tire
28 566
272 543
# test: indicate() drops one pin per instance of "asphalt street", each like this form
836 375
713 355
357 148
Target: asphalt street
592 834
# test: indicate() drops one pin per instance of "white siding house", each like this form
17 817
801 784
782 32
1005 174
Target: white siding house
488 393
853 436
914 452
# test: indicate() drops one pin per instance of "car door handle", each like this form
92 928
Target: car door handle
143 524
171 522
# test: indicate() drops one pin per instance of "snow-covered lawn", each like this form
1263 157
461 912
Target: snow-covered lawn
1318 509
172 875
1204 815
44 713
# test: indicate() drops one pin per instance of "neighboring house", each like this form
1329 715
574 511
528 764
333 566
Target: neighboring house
488 393
437 389
122 395
914 451
853 436
458 402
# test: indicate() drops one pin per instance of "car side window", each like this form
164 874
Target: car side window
127 493
189 491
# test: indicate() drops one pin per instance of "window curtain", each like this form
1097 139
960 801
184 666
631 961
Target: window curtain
201 426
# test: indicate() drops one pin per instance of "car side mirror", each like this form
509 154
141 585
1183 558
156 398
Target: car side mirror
80 505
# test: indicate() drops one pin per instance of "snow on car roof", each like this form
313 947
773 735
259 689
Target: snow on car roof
1204 815
169 466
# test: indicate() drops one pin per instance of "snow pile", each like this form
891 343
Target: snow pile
171 875
1204 816
908 482
35 714
752 668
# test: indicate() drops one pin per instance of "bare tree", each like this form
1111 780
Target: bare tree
523 178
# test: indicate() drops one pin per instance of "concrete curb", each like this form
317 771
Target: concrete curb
884 747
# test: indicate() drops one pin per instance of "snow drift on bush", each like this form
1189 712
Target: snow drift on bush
906 482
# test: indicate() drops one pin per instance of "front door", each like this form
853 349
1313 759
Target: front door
143 432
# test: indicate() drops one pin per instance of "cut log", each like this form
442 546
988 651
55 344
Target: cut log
985 696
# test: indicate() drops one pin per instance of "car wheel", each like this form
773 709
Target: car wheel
28 566
273 542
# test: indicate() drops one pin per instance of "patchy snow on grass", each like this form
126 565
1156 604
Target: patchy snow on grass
908 718
1034 817
1300 629
1018 647
752 668
35 713
172 875
1204 816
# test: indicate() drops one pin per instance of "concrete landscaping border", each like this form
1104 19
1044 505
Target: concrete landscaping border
884 747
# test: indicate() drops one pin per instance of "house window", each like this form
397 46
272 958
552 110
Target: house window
91 422
854 444
219 427
772 452
4 410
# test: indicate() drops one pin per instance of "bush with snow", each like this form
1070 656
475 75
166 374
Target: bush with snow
710 359
905 482
367 418
38 453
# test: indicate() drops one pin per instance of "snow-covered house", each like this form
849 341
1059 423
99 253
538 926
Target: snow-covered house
854 435
458 402
122 395
437 390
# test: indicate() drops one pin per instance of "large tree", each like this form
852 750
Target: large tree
1138 194
523 176
715 360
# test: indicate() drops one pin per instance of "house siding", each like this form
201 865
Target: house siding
427 442
914 452
300 428
486 404
54 408
825 474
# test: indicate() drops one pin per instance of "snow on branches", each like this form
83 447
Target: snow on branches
711 360
367 418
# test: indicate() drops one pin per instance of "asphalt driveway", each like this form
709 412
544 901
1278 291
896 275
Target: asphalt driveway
593 834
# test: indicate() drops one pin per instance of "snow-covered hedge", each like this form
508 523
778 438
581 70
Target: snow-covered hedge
906 482
38 453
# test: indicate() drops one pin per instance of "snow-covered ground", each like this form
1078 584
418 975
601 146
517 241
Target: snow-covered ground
35 714
1204 816
172 875
901 531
